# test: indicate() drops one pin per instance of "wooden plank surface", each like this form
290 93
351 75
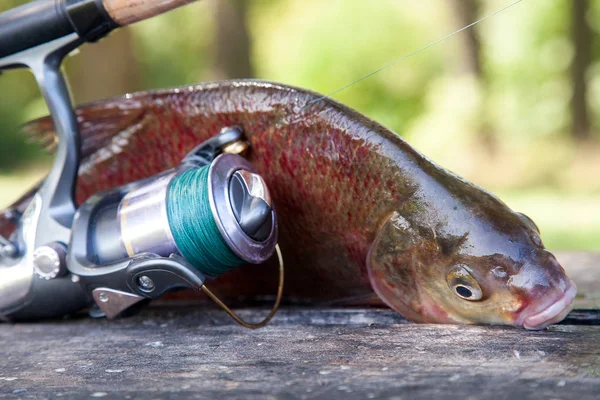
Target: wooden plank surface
305 353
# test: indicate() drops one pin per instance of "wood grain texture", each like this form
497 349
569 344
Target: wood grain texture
305 353
126 12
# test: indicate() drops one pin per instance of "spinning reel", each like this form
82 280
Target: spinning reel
125 246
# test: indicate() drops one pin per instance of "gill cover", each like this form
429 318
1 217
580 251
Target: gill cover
396 255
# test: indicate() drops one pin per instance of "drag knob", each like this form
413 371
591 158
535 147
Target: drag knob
251 204
49 260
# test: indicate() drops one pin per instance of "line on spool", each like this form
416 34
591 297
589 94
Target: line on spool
193 224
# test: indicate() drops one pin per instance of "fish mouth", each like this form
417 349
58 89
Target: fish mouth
551 314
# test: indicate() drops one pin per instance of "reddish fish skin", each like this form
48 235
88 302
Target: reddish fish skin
325 171
335 177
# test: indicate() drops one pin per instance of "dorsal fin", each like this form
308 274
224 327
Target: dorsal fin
98 122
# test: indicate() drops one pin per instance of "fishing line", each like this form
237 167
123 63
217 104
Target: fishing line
193 224
394 62
274 309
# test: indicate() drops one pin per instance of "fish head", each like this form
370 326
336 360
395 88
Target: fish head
490 274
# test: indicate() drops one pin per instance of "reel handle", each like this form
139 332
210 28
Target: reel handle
126 12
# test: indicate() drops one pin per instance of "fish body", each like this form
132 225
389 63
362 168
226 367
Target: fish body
360 211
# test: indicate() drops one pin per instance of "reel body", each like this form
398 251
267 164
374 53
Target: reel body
159 215
136 242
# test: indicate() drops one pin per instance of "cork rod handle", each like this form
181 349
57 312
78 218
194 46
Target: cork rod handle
126 12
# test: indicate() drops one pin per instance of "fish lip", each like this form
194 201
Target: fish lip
553 313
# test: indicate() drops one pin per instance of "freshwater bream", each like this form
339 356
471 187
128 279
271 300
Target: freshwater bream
360 210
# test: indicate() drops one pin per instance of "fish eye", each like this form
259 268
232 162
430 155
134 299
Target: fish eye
468 293
463 291
463 284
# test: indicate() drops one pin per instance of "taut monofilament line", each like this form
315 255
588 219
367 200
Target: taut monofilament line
392 63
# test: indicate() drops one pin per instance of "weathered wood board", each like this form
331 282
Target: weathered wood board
305 353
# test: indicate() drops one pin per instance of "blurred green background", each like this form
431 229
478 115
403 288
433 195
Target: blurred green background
513 104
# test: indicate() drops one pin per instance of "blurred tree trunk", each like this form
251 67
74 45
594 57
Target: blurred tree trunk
582 38
104 69
231 47
466 13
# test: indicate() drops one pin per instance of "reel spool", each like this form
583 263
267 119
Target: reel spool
212 218
217 217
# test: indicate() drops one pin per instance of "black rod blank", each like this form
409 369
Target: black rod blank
42 21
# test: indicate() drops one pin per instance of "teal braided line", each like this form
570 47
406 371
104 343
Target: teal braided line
193 225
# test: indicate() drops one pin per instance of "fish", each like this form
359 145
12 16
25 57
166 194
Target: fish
363 216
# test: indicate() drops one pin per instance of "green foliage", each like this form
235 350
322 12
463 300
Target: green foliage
174 49
527 53
323 46
566 221
16 94
326 45
508 129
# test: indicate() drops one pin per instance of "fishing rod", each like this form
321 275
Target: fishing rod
128 245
